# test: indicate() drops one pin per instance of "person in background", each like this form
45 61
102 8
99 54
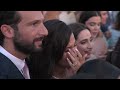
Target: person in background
84 40
93 68
104 25
92 20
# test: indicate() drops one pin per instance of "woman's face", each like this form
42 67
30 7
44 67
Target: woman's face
63 62
93 24
84 43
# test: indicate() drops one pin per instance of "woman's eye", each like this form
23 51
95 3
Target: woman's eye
83 42
92 24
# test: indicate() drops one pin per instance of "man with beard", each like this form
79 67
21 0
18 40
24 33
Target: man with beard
21 33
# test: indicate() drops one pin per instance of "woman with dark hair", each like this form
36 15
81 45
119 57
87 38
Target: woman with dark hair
84 40
60 51
92 20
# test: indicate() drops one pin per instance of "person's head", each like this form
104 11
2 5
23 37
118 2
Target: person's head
92 20
22 30
60 38
83 38
104 16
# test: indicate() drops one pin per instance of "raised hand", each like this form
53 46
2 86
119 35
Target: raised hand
75 60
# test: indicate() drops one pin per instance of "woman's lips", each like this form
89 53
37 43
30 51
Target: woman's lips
88 52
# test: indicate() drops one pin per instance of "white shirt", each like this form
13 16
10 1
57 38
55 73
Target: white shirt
18 62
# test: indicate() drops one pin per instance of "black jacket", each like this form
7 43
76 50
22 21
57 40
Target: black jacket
8 70
97 69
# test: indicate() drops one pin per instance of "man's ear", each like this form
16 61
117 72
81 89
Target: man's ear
7 31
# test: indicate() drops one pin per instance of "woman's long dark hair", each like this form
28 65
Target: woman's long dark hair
56 42
77 28
85 15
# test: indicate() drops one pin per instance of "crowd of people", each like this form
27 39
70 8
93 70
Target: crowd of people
59 45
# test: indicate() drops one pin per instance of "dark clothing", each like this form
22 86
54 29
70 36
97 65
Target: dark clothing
98 69
38 66
8 70
84 76
104 28
114 56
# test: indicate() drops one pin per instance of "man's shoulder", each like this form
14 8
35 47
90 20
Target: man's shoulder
3 58
8 69
5 63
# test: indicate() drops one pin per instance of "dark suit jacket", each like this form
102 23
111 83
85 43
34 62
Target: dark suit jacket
97 69
8 70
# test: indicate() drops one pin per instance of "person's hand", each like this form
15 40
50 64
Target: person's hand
75 60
